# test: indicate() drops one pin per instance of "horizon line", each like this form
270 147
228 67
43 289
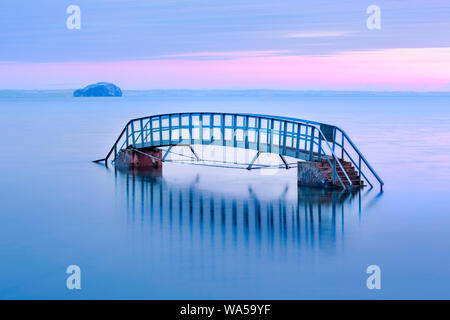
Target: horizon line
248 89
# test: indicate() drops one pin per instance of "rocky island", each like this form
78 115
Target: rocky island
100 89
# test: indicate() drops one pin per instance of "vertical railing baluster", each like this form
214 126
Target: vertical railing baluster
141 123
151 131
269 134
132 134
284 138
191 136
222 120
180 129
258 138
306 137
211 127
200 118
160 131
311 144
334 170
334 139
342 147
292 134
359 170
127 136
320 147
246 132
234 131
297 148
279 136
170 129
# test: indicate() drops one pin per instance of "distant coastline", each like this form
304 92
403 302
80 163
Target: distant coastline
224 92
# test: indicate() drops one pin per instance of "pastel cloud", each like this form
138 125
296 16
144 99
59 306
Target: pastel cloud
317 34
228 54
422 69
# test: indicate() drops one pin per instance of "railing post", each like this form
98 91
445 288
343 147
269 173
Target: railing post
211 126
334 170
190 129
246 133
142 131
320 148
132 134
284 138
334 139
258 135
151 131
180 129
359 170
222 120
160 131
270 136
311 144
342 148
306 137
297 148
293 135
127 135
170 129
279 136
234 131
200 117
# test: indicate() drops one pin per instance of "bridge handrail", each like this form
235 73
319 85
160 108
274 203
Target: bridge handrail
361 157
300 122
305 122
335 158
372 170
114 145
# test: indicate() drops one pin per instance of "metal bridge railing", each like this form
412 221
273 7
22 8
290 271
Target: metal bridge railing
296 138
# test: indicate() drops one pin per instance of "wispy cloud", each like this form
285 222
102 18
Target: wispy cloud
316 34
421 69
228 54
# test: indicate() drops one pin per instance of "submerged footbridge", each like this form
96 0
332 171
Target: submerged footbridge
325 155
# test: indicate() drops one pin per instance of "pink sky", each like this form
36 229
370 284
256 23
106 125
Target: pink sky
421 69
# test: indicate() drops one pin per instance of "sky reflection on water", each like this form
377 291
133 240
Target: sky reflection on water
242 235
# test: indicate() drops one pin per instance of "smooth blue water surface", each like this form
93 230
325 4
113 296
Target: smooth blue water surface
205 233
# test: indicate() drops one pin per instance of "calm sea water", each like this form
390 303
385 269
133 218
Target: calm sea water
221 233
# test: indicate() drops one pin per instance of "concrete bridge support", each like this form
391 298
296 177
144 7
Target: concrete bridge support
320 174
142 159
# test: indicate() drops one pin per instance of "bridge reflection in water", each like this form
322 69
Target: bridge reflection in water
315 219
